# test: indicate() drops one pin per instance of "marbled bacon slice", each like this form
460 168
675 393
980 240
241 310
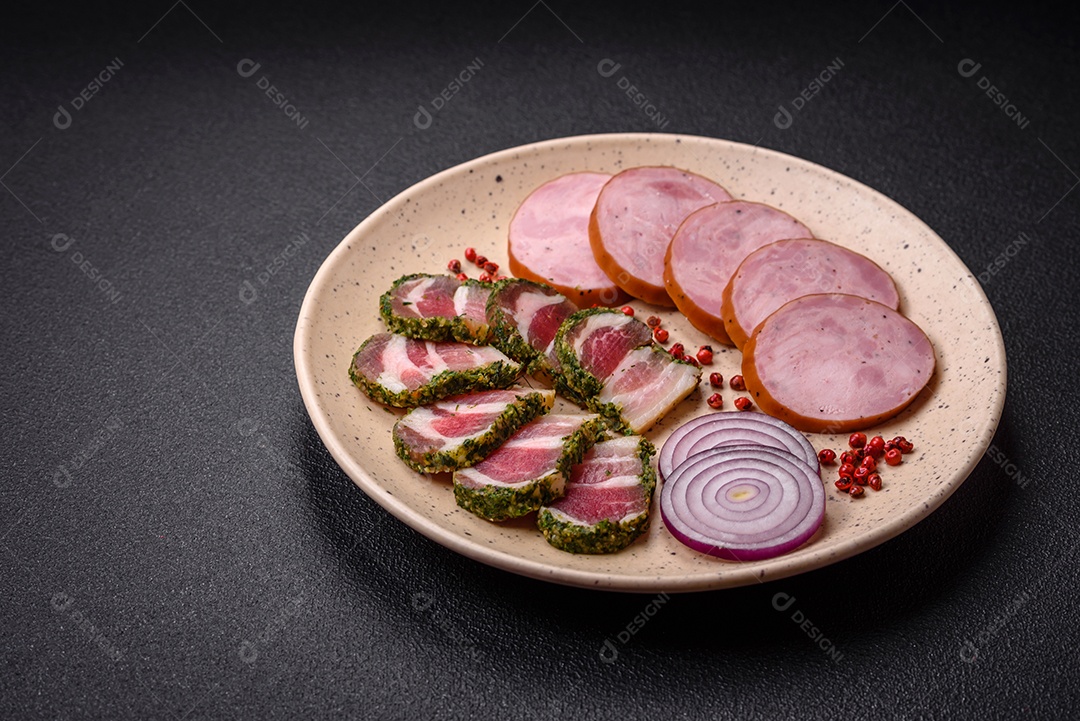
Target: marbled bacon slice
405 372
529 470
591 343
644 387
437 307
606 502
524 317
463 430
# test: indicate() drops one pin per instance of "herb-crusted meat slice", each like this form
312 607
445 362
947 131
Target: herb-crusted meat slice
606 501
646 384
524 317
529 470
436 307
405 372
461 431
591 343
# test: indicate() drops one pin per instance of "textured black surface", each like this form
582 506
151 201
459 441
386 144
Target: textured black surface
175 541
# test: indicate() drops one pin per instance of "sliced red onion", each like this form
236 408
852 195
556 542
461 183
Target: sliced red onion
743 504
732 428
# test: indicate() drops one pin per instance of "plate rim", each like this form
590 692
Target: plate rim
605 580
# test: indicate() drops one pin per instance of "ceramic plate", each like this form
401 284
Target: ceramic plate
951 422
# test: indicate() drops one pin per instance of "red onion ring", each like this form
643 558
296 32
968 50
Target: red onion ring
732 428
743 504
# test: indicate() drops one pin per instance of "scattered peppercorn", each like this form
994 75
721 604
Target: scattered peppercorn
737 383
893 457
857 440
481 260
856 491
874 481
454 266
876 446
705 355
843 484
653 321
715 401
485 278
827 456
861 474
743 403
716 380
869 462
492 268
462 277
470 254
846 471
627 310
661 335
691 360
677 351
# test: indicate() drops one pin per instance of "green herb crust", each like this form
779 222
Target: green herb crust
580 381
613 411
473 450
499 503
435 328
499 374
504 332
605 536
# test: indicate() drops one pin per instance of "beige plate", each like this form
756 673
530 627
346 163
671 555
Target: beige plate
951 423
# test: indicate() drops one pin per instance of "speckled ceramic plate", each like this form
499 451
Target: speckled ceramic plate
951 422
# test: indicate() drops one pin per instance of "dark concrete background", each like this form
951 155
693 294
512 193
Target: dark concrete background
175 541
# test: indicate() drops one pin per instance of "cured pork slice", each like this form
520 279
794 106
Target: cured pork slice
606 501
405 372
645 386
529 470
591 343
437 307
549 240
461 431
833 363
788 269
707 249
524 317
636 215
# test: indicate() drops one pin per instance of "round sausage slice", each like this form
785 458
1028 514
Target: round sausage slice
708 248
634 220
782 271
549 240
833 363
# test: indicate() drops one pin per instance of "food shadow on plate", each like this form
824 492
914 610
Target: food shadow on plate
374 549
